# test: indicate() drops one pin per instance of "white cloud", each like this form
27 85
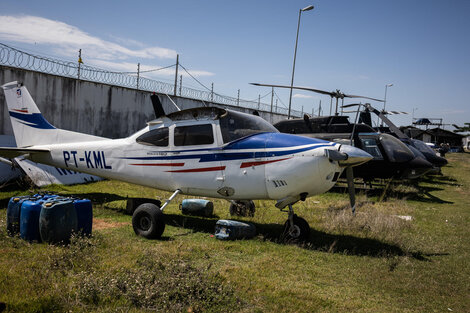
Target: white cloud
301 96
132 67
66 38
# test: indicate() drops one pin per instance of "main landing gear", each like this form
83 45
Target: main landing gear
148 219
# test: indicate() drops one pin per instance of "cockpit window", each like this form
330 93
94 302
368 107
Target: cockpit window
370 146
194 135
156 137
235 125
396 150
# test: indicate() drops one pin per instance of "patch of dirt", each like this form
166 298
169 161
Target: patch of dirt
104 224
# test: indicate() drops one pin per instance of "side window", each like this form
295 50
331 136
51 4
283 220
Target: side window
194 135
156 137
370 146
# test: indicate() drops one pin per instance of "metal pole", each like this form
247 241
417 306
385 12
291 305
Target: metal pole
259 100
212 92
181 83
276 105
293 65
310 7
138 75
176 72
272 100
319 108
238 98
79 62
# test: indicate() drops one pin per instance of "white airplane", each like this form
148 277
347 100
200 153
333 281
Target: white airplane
206 151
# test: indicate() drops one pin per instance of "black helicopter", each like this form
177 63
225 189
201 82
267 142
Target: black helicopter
391 128
392 158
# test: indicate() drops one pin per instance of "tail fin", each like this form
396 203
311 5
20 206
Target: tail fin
29 126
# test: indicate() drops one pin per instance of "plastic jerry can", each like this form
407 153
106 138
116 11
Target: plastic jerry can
13 214
84 210
232 230
58 220
29 220
197 207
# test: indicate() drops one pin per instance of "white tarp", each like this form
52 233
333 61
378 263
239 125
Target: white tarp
43 175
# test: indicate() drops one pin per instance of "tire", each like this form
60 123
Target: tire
242 208
148 221
301 230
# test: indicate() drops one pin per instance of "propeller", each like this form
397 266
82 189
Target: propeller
341 158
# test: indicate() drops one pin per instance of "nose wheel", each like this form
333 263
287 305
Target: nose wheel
296 229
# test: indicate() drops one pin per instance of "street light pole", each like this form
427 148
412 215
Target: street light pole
310 7
385 100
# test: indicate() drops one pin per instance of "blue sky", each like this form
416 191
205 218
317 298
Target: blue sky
422 47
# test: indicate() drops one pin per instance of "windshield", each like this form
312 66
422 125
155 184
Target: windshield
421 146
235 125
396 150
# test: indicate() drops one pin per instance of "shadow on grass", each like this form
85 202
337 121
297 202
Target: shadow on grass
418 192
318 241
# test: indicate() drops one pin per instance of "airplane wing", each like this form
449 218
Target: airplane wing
9 152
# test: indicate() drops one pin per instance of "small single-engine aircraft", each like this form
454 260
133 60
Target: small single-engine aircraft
204 151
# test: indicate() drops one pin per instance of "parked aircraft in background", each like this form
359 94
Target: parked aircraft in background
203 152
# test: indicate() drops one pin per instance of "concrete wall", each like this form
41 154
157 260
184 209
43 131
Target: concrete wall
92 108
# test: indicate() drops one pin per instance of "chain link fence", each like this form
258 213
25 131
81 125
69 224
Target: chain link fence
13 57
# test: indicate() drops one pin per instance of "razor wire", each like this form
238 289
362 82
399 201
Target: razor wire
13 57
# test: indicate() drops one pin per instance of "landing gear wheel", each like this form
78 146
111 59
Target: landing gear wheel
242 208
148 221
299 232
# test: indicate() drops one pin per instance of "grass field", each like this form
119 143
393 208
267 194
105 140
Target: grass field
373 262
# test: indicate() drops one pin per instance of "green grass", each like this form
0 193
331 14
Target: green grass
373 262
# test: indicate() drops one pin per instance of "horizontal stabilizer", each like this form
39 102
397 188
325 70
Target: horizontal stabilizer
9 152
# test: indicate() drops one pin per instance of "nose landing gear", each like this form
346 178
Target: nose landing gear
296 229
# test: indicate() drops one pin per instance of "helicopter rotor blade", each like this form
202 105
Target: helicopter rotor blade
331 94
362 97
350 105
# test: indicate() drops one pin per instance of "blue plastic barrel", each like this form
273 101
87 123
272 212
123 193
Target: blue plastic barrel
29 220
13 214
231 230
197 207
84 211
57 221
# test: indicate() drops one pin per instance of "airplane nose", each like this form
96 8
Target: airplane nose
355 155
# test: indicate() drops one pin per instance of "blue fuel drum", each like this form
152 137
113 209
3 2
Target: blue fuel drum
29 220
13 214
232 230
58 220
197 207
84 211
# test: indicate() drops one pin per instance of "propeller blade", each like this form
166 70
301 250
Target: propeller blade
351 190
331 94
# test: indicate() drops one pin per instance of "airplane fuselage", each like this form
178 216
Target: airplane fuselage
261 166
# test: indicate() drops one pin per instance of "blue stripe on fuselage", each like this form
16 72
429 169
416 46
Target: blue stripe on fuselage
212 157
35 120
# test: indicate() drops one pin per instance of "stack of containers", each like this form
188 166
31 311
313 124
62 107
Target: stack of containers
49 218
